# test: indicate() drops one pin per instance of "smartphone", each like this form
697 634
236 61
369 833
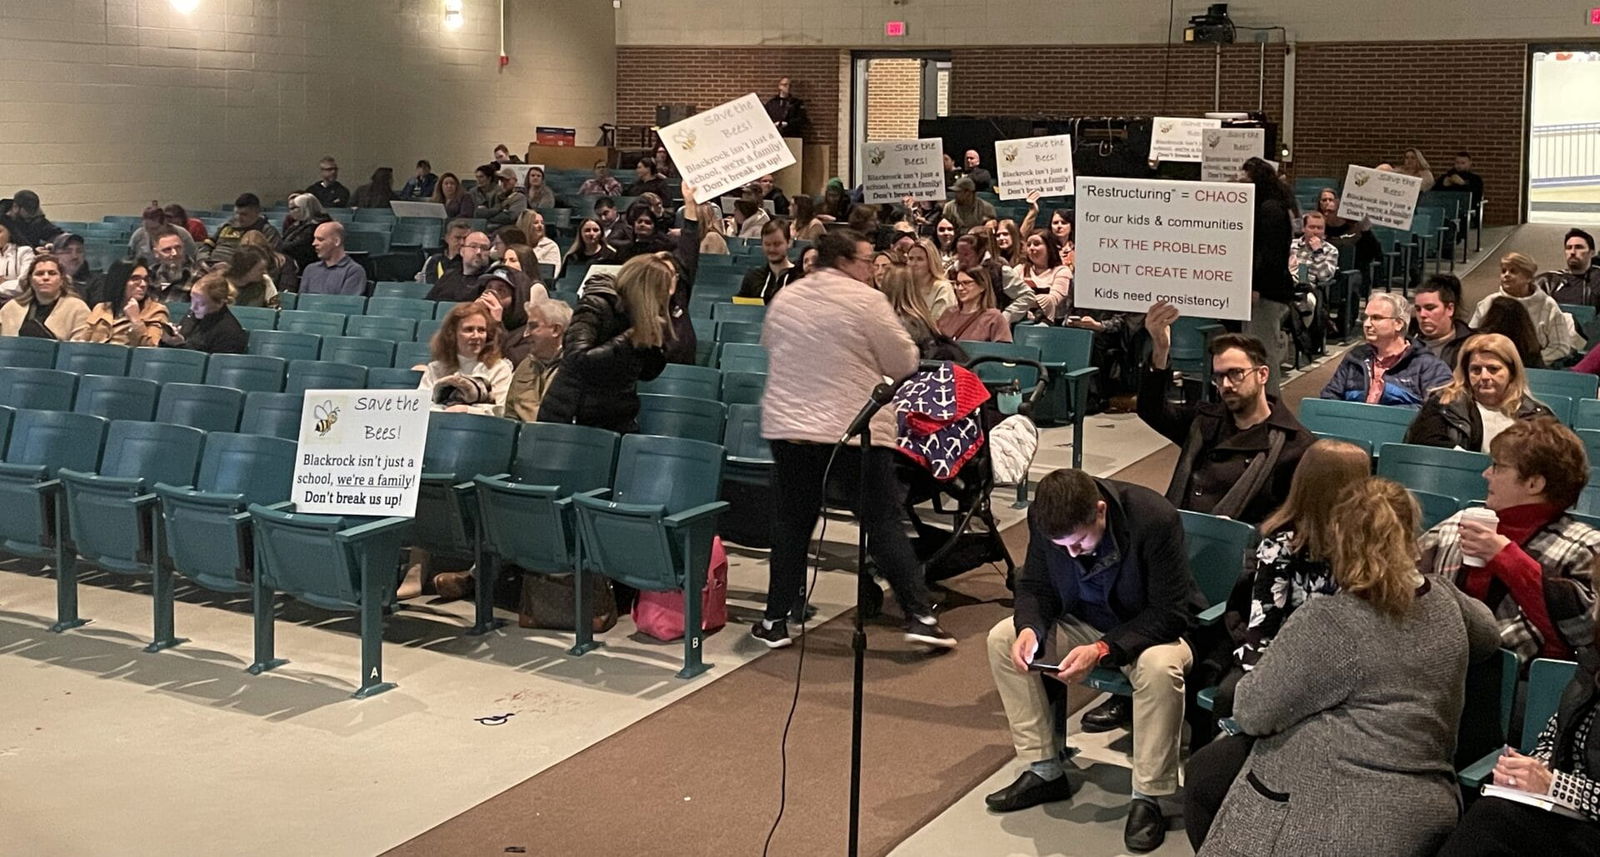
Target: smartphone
1042 667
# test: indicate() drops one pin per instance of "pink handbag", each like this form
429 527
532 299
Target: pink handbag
660 614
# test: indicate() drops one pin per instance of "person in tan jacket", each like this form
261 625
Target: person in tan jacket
131 317
47 305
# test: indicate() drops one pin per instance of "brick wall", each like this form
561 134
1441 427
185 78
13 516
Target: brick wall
706 77
894 98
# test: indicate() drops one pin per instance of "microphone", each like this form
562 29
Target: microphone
881 395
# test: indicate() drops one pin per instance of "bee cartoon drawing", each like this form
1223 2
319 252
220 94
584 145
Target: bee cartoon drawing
326 415
876 155
1361 179
685 137
1009 153
1212 139
1166 127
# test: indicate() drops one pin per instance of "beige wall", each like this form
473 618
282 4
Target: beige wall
107 104
948 23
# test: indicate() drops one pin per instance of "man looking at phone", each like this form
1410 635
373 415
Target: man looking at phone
1106 583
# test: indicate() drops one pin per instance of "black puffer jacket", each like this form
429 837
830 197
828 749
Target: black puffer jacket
597 384
681 344
1457 423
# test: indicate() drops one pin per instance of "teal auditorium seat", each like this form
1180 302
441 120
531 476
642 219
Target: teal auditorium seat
7 416
699 382
1578 385
168 365
26 352
206 529
653 530
750 313
341 304
41 444
526 513
1547 678
409 354
1563 407
1068 355
346 564
681 416
288 344
425 331
746 478
203 406
371 353
112 510
1358 422
247 372
1451 472
1586 414
254 318
116 398
459 446
738 331
272 414
1435 507
415 309
381 327
309 321
743 388
408 289
383 378
38 389
93 358
324 375
741 357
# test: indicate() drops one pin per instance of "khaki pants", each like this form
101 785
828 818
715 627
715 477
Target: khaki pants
1158 685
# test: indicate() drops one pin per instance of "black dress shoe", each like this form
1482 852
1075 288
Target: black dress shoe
1030 789
1114 713
1146 827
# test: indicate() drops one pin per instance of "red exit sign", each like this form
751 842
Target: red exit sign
897 29
1594 17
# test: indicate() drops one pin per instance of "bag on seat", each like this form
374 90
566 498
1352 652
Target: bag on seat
660 614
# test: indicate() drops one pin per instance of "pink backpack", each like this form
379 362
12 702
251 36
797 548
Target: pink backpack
660 614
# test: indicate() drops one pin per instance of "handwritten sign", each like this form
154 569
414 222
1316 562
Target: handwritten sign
1226 150
1382 197
894 169
1042 164
360 452
1186 243
1175 138
726 147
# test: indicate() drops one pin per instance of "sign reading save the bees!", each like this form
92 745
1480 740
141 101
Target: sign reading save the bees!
1380 197
895 169
1042 164
360 452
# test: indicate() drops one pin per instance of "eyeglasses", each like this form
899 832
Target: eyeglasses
1232 376
476 246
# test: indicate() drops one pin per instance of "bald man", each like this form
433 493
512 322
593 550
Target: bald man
334 272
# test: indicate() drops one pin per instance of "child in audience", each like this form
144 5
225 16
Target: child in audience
210 326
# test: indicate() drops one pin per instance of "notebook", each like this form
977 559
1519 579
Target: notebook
1548 803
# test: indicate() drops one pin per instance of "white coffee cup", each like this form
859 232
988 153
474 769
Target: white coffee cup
1486 517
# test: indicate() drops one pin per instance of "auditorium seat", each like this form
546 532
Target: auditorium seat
381 327
324 375
738 331
1578 385
743 388
1451 472
385 378
1371 426
208 408
342 304
272 414
312 321
39 389
358 350
255 318
751 313
741 357
168 365
115 397
1068 357
1547 678
699 382
409 354
1435 507
401 289
246 372
93 358
459 447
415 309
27 352
291 345
682 416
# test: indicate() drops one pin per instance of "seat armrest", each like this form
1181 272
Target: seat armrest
371 529
1212 614
690 517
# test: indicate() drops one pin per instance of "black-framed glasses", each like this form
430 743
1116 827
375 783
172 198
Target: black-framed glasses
1232 376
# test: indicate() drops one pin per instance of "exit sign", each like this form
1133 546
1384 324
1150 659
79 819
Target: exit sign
896 29
1594 17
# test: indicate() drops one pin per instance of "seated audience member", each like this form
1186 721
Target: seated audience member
535 352
1048 282
664 165
1415 165
1434 306
545 249
864 219
602 183
618 234
486 186
1387 369
973 168
210 326
765 281
1488 393
805 226
75 266
141 243
467 361
1460 177
1507 318
649 233
46 304
899 286
1367 248
282 272
538 193
27 222
437 264
1312 253
246 218
506 290
713 242
972 251
460 282
1535 567
882 261
327 188
835 201
1564 764
1558 336
589 247
502 155
419 188
173 273
1580 282
457 201
928 276
300 227
647 180
967 210
808 263
14 261
178 216
334 272
1007 243
768 190
506 204
1106 583
246 273
974 317
1238 456
377 192
132 317
749 218
1355 707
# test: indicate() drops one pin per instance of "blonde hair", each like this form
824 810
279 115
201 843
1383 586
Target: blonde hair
935 265
1374 545
1519 263
900 288
1326 468
1500 348
644 284
709 221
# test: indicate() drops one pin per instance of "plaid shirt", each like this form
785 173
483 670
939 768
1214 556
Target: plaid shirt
1566 550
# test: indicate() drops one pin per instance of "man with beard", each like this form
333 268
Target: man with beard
1580 282
172 273
461 284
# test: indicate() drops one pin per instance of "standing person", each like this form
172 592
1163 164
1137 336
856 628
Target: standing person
1106 583
305 215
831 338
1356 705
1434 307
787 112
1580 282
378 192
1488 392
1271 286
457 202
327 188
46 305
1558 336
334 272
419 188
210 326
764 282
14 261
129 316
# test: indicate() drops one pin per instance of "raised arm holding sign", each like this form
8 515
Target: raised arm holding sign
726 147
1382 197
1034 166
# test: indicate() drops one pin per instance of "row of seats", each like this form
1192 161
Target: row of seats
125 396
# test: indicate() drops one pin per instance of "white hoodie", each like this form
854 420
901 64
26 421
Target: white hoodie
14 262
1558 336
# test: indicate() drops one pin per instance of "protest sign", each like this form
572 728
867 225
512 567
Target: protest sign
895 169
1186 243
360 452
726 147
1382 197
1174 138
1226 150
1042 164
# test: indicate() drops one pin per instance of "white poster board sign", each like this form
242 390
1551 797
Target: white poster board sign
1175 138
895 169
1226 150
1042 164
418 209
726 147
1382 197
1186 243
360 452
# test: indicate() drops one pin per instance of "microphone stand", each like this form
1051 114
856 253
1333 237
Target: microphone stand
858 646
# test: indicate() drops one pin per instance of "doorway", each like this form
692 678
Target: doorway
1564 136
891 93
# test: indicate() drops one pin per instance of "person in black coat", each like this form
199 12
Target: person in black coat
305 215
210 326
1106 583
764 282
1272 288
615 341
650 237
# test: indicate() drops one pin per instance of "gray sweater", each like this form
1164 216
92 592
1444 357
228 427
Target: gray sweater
1357 716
